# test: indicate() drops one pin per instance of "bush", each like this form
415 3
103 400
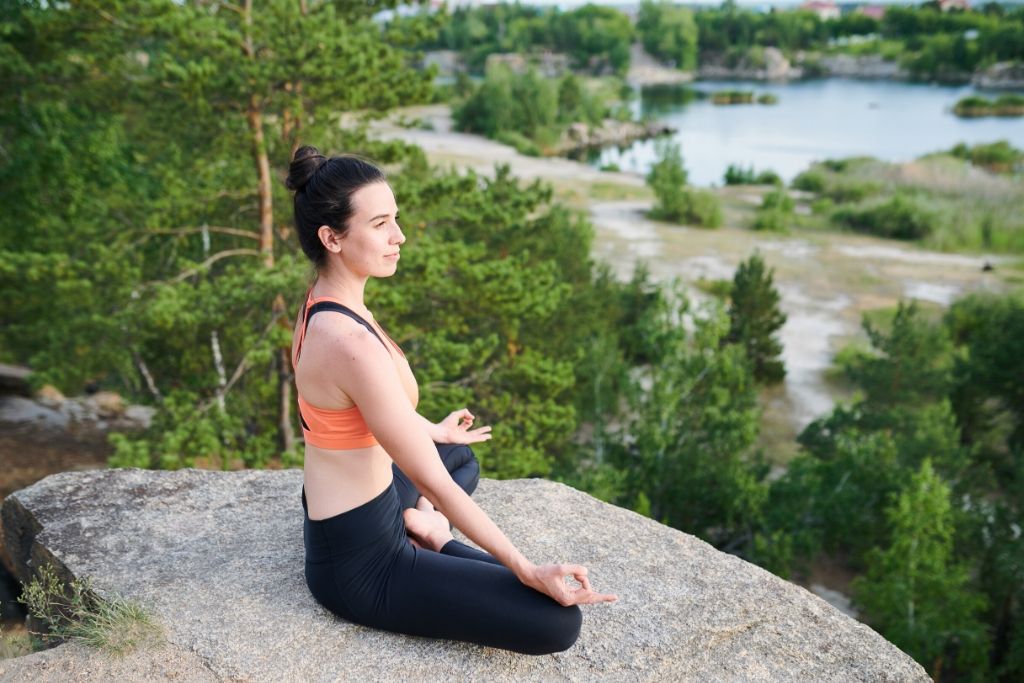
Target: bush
738 175
771 220
76 612
998 157
702 208
810 181
667 178
778 199
677 202
899 218
523 144
851 191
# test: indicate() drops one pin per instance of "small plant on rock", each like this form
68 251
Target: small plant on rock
76 612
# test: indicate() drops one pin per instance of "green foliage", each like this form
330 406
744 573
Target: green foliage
755 317
74 611
507 102
690 433
526 110
731 28
596 38
914 591
809 181
675 201
775 212
738 175
668 32
988 394
1004 105
998 157
899 217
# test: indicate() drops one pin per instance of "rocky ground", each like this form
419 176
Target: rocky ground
42 433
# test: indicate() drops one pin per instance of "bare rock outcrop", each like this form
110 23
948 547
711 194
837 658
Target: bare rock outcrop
218 557
1001 76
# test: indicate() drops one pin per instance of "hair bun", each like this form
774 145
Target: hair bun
304 165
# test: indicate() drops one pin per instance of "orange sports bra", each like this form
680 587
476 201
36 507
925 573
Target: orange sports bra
332 428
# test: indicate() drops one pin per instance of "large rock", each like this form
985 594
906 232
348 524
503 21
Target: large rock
218 557
1001 76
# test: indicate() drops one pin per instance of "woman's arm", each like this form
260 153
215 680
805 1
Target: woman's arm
455 428
367 374
433 430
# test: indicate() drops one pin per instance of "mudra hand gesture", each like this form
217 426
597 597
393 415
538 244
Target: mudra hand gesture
456 428
429 528
550 580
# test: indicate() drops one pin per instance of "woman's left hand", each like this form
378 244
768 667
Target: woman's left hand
456 428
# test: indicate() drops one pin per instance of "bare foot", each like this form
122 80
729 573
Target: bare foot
427 527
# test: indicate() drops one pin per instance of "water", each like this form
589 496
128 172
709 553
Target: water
813 120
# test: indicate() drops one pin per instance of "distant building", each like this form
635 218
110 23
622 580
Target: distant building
825 9
946 5
874 11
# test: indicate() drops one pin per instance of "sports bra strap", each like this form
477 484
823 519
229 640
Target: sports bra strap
332 306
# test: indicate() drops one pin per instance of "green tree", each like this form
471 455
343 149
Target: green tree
915 592
668 178
755 317
596 37
668 32
688 453
675 200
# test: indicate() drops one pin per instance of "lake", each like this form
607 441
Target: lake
813 120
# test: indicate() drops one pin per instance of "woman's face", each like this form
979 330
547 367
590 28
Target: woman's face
370 246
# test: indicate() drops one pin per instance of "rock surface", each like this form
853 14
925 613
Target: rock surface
1001 76
862 66
218 557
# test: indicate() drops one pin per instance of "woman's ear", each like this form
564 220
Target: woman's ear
329 238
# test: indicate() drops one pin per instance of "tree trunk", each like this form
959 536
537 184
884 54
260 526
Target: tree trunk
286 437
259 151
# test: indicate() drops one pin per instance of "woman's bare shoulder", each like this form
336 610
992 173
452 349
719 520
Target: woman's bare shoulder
342 341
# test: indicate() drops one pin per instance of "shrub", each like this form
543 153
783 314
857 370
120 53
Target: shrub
999 156
702 208
810 181
851 191
771 220
677 202
899 217
667 178
778 199
76 612
738 175
523 144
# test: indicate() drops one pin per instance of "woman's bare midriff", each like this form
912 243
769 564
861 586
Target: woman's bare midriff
337 481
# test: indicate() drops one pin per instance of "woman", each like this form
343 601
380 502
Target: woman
367 559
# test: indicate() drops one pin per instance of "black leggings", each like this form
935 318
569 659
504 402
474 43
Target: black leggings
361 566
458 460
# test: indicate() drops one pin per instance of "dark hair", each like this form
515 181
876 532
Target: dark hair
323 194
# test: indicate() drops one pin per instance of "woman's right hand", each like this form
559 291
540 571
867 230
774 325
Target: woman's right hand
550 580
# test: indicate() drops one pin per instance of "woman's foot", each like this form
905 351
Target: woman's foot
426 527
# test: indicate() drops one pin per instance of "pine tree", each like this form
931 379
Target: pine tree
914 592
754 317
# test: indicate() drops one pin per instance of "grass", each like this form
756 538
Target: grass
580 194
76 612
17 644
968 208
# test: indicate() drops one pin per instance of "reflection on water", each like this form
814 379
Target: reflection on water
813 120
